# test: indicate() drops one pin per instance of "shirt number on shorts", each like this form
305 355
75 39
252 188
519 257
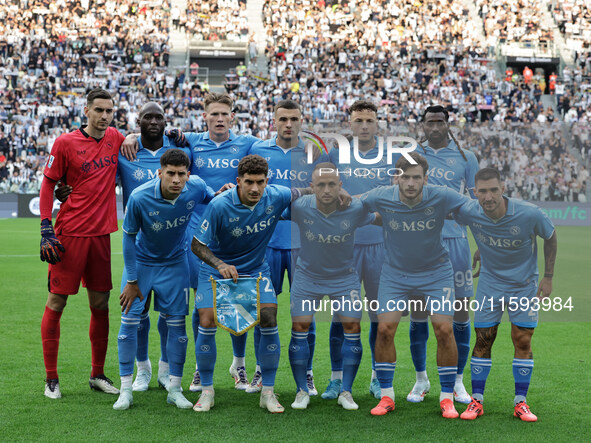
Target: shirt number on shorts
268 285
462 278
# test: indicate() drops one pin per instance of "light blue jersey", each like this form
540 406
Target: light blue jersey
412 235
144 168
327 239
359 178
448 168
217 164
160 224
287 167
508 247
238 234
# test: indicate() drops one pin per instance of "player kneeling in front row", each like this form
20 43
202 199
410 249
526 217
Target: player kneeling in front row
505 230
155 259
325 267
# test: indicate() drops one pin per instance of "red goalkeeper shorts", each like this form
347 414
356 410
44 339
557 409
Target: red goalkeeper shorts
87 259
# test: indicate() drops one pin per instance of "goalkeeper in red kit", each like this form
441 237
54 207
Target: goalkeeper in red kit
79 247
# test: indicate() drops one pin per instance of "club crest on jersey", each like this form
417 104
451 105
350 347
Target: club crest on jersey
234 149
515 230
269 209
451 161
205 225
190 204
237 232
157 226
199 162
429 210
345 224
139 174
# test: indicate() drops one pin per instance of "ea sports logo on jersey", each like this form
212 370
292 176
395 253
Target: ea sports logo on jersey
477 369
269 209
191 205
394 225
224 290
272 347
345 224
515 230
429 210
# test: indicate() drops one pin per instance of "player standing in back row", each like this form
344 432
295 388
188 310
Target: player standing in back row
80 247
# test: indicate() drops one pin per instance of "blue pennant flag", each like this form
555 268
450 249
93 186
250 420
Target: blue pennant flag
236 305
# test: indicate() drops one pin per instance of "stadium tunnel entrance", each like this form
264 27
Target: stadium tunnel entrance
546 64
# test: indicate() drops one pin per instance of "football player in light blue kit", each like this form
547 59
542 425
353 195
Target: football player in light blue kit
232 239
287 157
154 251
450 166
152 143
325 267
505 230
369 240
417 264
216 154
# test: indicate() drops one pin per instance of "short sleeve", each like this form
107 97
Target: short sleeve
369 200
543 226
471 171
284 195
206 230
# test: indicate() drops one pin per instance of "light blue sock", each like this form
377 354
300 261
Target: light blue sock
163 331
352 351
480 368
373 333
447 377
127 343
522 370
462 335
385 374
419 334
143 332
299 353
311 343
257 341
176 345
239 344
336 345
206 352
269 352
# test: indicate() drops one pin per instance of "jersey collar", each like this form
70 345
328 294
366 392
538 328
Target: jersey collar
165 144
299 146
314 206
396 197
451 146
510 209
158 192
236 200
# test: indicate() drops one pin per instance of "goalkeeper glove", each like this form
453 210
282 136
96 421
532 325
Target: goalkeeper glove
178 138
50 244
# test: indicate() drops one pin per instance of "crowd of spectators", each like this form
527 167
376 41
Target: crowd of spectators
573 18
403 55
213 20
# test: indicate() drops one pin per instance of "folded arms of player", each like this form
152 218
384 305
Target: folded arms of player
205 254
50 245
131 289
550 249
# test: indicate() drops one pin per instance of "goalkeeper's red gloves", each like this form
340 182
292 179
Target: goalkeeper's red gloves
50 244
177 137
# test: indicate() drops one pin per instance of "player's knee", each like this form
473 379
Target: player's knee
386 332
268 317
522 338
56 302
300 326
352 327
461 315
206 319
98 300
444 332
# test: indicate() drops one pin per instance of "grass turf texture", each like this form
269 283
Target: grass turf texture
558 394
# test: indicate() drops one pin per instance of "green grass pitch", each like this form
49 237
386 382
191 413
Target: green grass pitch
558 394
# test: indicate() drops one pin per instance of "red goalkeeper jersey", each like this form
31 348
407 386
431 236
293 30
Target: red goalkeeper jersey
89 166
